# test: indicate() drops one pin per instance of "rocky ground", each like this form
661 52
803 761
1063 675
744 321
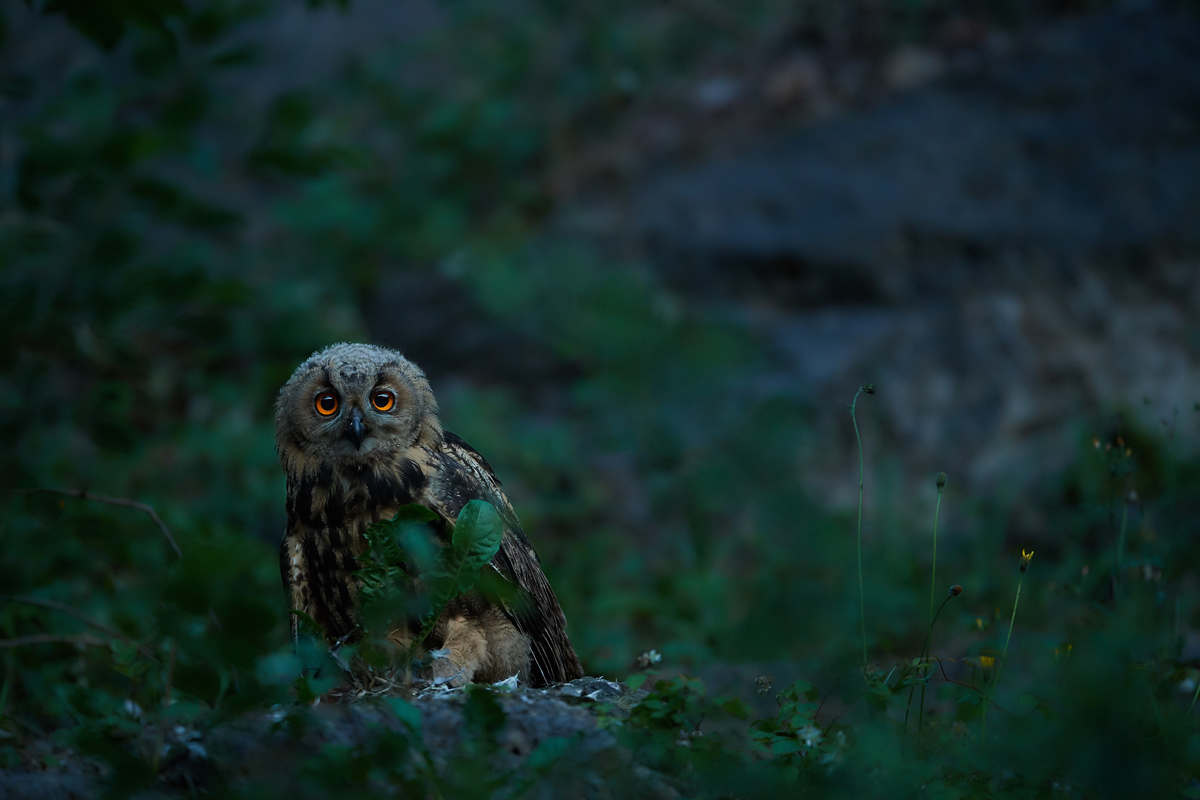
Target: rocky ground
561 734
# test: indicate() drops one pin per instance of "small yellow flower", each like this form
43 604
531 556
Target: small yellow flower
987 662
979 622
1025 559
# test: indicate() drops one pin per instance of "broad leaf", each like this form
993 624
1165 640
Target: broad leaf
477 536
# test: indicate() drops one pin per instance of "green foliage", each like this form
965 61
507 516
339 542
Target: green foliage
385 595
159 281
478 532
405 544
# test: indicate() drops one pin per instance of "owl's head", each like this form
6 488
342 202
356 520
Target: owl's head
351 405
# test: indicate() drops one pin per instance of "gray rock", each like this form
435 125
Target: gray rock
1084 140
1007 252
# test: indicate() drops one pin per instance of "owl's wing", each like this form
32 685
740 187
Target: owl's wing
462 475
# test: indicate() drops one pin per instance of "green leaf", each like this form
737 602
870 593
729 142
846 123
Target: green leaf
405 539
782 746
277 669
968 711
476 539
406 712
124 653
800 689
307 624
736 707
635 682
407 520
482 715
477 536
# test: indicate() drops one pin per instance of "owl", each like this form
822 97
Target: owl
358 435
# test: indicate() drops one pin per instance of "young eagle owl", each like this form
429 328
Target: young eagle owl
358 434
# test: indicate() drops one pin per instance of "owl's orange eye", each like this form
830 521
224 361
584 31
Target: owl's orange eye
383 400
327 404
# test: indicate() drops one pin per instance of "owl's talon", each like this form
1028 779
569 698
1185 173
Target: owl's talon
446 674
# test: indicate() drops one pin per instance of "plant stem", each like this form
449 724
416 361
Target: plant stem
1121 542
1003 656
1012 621
924 655
933 572
862 614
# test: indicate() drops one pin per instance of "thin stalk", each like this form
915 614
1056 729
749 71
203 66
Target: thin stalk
941 484
1121 541
924 655
924 659
1011 623
1025 558
869 388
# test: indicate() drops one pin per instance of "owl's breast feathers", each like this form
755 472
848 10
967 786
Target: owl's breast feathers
328 512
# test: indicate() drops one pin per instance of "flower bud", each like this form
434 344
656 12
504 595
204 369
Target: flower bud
1025 559
941 481
955 590
869 388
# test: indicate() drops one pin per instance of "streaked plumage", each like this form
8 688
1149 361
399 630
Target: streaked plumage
357 465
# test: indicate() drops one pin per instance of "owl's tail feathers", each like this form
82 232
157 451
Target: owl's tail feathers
553 658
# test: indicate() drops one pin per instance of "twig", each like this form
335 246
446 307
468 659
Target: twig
991 703
83 494
947 679
79 615
869 388
53 638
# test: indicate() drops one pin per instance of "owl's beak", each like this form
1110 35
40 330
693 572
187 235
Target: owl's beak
356 429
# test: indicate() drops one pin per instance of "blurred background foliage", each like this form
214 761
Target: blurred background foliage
171 248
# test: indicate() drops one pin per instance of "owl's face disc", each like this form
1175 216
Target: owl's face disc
351 404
